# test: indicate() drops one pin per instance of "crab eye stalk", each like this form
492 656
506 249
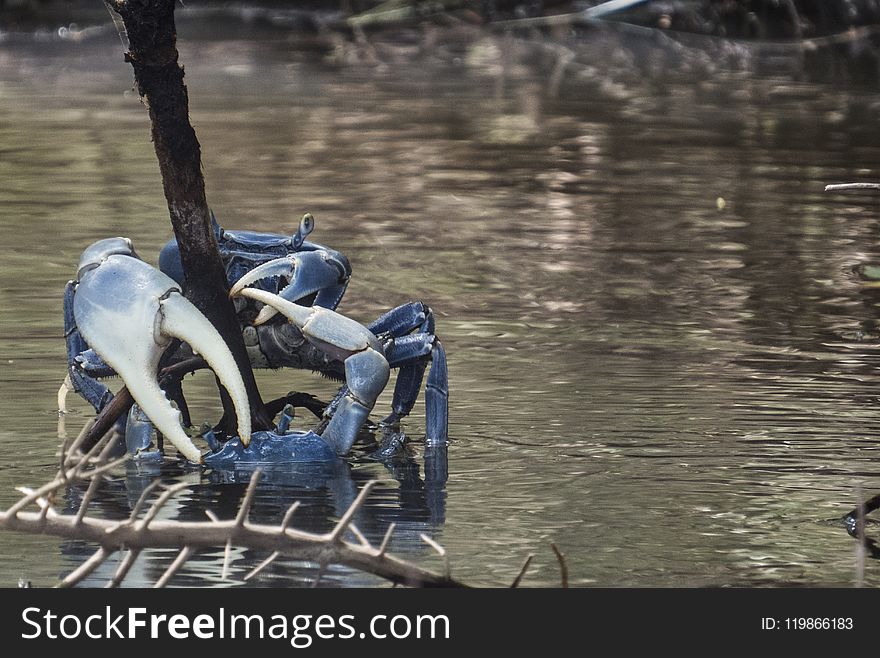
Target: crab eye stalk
306 226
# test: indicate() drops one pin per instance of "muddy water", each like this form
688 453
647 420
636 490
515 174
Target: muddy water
662 342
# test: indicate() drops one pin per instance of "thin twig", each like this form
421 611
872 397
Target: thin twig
156 533
87 567
174 567
93 486
359 536
227 556
57 483
139 505
86 458
87 498
44 509
248 500
262 565
160 502
440 551
563 567
288 517
343 522
122 571
32 495
522 572
386 540
70 449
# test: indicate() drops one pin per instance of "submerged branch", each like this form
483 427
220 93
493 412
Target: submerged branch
133 535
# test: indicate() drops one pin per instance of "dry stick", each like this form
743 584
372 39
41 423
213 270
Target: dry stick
336 534
162 533
93 485
386 539
563 567
122 571
227 557
240 520
262 565
288 517
87 567
70 449
42 503
160 502
87 498
86 458
57 483
174 567
440 551
522 572
34 495
104 421
139 505
359 536
844 187
44 509
248 500
158 533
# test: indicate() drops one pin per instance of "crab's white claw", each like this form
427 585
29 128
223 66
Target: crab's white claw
128 312
308 273
334 333
182 320
366 368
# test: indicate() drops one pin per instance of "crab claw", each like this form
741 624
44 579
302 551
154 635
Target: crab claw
337 335
129 312
343 339
308 272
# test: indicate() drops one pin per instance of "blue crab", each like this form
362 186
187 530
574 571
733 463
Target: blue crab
286 291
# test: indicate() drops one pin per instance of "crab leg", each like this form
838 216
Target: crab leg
366 369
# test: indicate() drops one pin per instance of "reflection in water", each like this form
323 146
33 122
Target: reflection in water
662 345
325 490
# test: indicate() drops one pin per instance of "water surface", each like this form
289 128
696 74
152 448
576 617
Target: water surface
662 349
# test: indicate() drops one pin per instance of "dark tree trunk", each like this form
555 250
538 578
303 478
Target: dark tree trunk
153 55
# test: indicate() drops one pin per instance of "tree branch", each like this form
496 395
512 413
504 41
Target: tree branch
153 55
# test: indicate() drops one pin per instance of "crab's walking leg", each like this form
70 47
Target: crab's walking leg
437 398
83 365
411 328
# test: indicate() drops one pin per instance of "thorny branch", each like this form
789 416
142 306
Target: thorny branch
133 535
